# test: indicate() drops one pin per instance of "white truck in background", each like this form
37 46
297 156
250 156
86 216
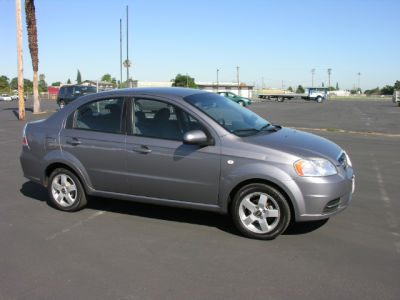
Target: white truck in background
316 94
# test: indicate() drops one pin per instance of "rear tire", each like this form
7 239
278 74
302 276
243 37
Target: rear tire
260 211
280 99
66 192
319 99
62 104
241 103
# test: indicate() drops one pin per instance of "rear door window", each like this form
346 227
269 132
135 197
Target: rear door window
101 115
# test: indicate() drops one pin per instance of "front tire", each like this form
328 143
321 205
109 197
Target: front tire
65 191
319 99
62 104
241 103
260 211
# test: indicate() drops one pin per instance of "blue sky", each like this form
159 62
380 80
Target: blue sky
268 39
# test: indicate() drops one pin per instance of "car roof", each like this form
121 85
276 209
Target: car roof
175 92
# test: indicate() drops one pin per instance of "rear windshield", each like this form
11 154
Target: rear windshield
87 89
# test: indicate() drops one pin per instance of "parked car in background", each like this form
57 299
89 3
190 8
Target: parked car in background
187 148
68 93
396 97
5 97
15 97
232 96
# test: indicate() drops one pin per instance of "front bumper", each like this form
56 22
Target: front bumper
323 197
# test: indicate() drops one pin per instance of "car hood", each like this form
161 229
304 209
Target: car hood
297 142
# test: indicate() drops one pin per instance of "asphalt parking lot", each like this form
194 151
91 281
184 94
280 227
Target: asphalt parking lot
123 250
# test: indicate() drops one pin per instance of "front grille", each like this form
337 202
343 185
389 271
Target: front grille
331 206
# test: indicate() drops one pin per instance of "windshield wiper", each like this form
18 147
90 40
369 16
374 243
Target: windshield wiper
265 126
274 127
246 130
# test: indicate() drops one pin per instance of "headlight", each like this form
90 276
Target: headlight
348 161
314 167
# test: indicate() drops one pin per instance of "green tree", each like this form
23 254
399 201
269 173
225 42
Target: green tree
337 86
42 83
290 89
57 83
69 81
106 77
300 89
397 85
4 84
78 77
28 85
184 81
387 90
375 91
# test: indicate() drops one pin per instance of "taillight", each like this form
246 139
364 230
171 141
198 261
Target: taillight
24 139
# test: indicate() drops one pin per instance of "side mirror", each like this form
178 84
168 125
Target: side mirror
195 137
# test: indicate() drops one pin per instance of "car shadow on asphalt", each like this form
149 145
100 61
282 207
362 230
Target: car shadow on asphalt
34 190
297 228
222 222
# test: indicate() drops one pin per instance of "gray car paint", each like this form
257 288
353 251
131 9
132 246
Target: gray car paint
185 175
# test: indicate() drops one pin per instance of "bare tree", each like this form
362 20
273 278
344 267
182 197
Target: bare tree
21 102
33 49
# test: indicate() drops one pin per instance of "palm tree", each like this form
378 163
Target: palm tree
33 49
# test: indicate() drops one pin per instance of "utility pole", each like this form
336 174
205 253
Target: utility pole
329 77
217 80
238 83
312 77
359 75
127 63
21 101
120 51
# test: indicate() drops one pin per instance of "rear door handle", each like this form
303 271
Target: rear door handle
73 141
142 149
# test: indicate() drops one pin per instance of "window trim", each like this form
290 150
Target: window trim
69 124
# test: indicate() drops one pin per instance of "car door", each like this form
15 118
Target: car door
159 165
94 139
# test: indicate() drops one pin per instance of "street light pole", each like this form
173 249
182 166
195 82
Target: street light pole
127 50
312 77
217 80
329 77
238 84
120 51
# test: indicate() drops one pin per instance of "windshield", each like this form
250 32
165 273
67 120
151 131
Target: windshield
230 115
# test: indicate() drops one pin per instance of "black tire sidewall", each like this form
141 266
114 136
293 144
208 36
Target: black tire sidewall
278 197
81 199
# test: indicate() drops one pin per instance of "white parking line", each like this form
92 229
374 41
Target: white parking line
77 224
391 218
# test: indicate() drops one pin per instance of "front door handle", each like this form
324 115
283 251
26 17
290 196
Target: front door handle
142 149
73 141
